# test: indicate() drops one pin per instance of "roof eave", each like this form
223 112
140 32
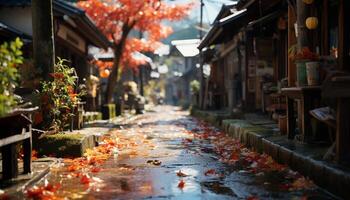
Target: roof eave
92 33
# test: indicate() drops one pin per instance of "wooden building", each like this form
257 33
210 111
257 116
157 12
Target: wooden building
252 47
74 34
74 31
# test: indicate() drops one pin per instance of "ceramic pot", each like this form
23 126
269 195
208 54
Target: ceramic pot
301 73
313 73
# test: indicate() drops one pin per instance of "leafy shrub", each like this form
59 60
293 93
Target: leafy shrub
59 96
10 58
195 86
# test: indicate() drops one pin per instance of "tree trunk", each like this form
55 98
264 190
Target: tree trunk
113 76
118 51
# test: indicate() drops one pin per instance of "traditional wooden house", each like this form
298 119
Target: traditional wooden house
74 30
330 38
74 33
267 32
183 70
225 90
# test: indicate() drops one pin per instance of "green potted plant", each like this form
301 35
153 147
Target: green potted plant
59 97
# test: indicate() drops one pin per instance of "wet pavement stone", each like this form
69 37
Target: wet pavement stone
306 159
162 143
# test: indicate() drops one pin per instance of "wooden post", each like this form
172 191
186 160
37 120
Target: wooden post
302 12
27 158
290 119
291 41
324 29
344 37
43 37
9 161
343 131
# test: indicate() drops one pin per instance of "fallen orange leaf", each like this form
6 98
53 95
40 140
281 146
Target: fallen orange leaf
85 179
181 184
181 174
95 170
209 172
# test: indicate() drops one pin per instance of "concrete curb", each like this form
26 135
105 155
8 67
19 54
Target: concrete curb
299 157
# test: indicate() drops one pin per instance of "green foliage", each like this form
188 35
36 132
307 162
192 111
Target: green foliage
195 86
59 96
10 58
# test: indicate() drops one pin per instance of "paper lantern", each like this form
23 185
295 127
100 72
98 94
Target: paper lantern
311 23
308 1
104 73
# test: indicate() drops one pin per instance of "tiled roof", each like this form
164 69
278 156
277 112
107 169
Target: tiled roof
66 7
15 2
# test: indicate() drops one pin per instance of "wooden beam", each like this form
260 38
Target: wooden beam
324 29
343 131
14 139
302 13
43 37
291 41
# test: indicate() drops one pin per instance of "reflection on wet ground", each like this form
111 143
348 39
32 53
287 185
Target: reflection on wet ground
149 168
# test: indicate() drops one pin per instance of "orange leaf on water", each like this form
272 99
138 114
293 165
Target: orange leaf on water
181 184
72 168
95 170
85 179
234 157
302 183
210 172
181 174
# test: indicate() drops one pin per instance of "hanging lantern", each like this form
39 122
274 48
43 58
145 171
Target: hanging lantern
308 1
104 73
311 23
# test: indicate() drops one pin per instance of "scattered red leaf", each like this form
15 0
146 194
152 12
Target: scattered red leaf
209 172
43 192
95 170
181 184
302 183
252 198
85 179
72 168
187 140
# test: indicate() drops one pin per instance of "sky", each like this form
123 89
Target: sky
210 10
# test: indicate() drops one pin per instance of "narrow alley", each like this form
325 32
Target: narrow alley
166 154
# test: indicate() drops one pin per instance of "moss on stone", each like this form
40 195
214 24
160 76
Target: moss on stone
64 145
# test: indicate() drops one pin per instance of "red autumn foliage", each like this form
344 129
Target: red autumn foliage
117 19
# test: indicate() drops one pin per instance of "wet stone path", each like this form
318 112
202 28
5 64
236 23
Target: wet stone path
166 154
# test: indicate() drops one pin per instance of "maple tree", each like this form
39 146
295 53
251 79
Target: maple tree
117 18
